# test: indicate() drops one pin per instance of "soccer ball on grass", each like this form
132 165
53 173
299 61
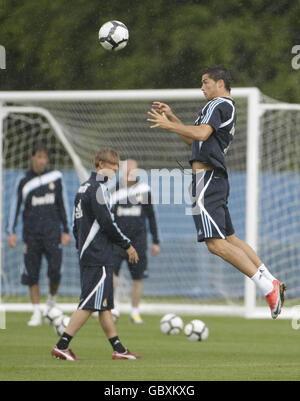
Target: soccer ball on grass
171 324
113 35
196 330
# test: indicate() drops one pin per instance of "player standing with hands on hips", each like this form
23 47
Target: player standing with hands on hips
210 138
45 226
95 232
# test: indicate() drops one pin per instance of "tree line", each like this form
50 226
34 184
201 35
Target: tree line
53 44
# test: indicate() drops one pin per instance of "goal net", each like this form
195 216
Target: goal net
264 200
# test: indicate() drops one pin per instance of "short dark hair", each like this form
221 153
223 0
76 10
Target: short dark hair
217 72
39 147
106 155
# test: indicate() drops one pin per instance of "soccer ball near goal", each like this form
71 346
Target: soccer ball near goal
113 35
171 324
51 314
60 324
196 330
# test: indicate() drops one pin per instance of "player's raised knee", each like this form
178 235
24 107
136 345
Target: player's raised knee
215 245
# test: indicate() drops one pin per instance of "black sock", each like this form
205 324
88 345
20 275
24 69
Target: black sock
116 344
64 341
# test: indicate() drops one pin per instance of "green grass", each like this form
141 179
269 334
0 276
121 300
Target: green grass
237 349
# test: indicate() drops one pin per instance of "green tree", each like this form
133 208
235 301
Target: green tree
53 44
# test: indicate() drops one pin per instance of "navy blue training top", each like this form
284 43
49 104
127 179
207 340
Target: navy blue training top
220 114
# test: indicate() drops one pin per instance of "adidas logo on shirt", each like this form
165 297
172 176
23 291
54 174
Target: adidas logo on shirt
78 211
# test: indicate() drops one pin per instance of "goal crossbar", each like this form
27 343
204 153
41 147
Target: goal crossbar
114 95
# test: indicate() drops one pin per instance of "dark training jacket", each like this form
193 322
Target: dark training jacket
94 227
44 201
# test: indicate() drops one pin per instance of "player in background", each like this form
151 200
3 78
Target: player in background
95 232
45 226
132 209
210 138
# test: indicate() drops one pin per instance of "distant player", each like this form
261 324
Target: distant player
210 138
45 226
95 232
132 209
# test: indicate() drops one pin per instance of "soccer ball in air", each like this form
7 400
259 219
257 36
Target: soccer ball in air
60 324
51 314
196 330
171 324
113 35
115 314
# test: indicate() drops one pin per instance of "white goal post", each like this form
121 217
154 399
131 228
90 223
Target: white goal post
77 123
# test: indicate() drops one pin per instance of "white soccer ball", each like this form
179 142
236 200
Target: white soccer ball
115 314
113 35
196 330
60 324
51 314
171 324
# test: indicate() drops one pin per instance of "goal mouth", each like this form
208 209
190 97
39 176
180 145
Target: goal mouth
264 200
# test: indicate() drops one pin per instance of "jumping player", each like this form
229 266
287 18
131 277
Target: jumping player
132 209
210 138
45 226
95 232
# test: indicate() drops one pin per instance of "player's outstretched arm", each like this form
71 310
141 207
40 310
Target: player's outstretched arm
166 109
191 132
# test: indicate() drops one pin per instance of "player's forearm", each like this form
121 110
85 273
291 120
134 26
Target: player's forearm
174 119
13 219
189 133
186 140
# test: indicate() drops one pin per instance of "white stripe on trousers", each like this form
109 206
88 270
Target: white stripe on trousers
95 289
206 218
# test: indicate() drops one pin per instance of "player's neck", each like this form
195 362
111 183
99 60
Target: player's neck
223 94
38 171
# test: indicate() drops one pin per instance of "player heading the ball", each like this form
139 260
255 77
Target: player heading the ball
210 138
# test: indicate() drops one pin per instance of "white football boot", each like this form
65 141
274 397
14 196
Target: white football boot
36 319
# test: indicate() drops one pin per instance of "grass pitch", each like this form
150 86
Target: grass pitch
237 349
